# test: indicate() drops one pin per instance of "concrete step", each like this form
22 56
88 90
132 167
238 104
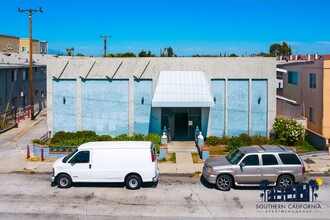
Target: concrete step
181 146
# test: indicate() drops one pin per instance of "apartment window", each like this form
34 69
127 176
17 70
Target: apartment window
293 78
17 48
10 46
25 75
311 115
24 49
33 49
14 75
312 80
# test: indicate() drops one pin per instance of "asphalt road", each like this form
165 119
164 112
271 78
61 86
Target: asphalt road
30 196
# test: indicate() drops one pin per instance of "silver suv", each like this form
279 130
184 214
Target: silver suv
248 166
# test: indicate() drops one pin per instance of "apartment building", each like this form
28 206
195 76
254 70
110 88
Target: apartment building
306 86
9 44
25 45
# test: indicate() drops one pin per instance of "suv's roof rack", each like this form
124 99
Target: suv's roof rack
262 147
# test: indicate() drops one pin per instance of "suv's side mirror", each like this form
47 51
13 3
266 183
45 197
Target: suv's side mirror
242 164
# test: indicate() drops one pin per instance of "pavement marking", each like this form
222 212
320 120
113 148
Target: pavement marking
26 130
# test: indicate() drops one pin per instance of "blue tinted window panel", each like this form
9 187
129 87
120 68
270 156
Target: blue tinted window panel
259 108
64 105
142 106
218 111
105 106
238 107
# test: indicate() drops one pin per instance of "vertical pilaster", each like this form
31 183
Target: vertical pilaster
131 106
79 102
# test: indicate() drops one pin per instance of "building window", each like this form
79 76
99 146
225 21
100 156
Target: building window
17 48
312 80
311 115
10 46
33 49
24 49
293 78
14 75
0 101
25 75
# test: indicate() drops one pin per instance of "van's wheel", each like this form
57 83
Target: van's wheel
64 181
133 182
285 180
224 182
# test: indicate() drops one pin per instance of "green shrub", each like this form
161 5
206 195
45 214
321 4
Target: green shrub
122 137
288 132
105 137
259 140
234 143
212 141
224 140
38 141
245 140
154 138
138 137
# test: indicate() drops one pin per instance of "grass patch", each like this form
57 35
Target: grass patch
170 158
38 159
218 150
304 148
196 158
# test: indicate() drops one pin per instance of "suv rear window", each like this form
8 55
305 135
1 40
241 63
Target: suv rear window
289 159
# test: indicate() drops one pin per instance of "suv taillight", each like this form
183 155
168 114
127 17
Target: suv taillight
303 170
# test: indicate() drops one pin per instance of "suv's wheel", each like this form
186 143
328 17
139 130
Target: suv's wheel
64 181
224 182
285 180
133 182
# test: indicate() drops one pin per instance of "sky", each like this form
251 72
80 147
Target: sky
190 27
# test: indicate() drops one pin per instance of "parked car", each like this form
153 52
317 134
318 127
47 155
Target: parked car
248 166
131 162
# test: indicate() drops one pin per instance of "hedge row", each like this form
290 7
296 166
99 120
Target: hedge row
68 139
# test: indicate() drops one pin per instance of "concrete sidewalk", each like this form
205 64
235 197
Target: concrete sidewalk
14 142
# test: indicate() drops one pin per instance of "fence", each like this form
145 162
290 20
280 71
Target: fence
8 120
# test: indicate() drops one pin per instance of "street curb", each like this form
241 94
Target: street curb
319 174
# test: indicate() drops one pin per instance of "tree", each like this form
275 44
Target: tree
70 51
280 50
143 53
80 55
275 49
126 54
168 52
232 55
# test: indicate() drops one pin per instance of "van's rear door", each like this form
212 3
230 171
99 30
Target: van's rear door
154 161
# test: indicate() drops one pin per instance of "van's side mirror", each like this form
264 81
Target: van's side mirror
242 164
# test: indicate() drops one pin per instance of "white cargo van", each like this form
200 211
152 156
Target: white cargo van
131 162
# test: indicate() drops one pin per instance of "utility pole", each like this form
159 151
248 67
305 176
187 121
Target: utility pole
30 12
105 44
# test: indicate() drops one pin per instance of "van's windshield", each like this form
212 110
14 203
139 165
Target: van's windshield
235 156
65 159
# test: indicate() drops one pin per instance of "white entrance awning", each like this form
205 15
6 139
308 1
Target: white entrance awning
182 89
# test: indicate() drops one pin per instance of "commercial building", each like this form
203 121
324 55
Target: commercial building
14 81
306 85
142 95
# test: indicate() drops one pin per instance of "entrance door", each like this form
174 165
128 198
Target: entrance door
181 126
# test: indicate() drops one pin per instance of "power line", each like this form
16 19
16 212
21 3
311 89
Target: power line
105 44
30 12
